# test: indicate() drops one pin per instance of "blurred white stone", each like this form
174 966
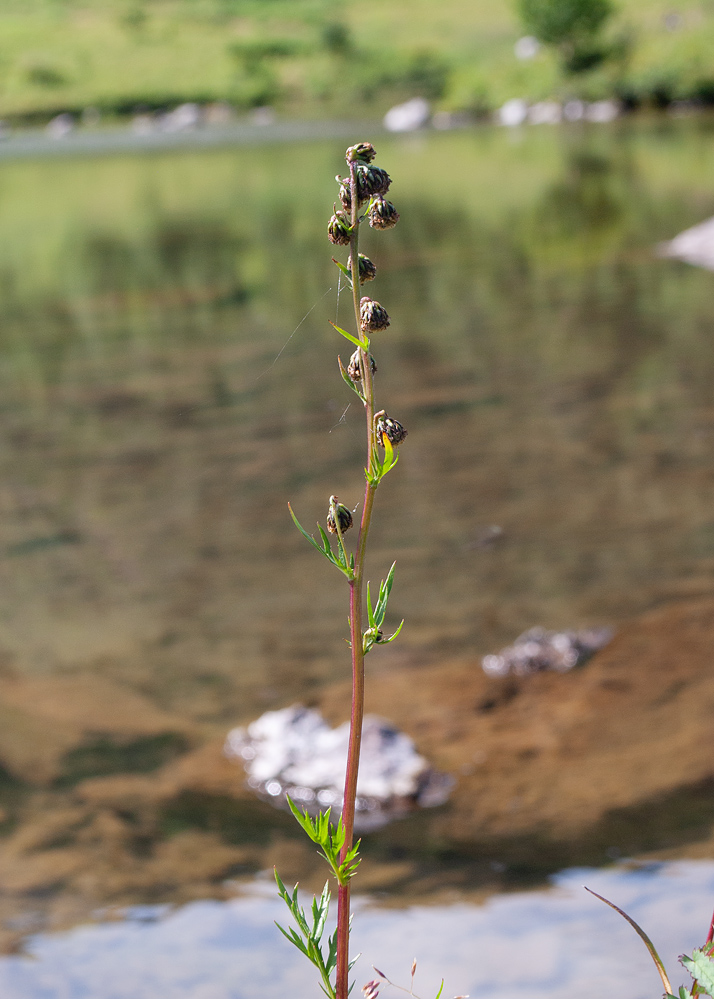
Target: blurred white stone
183 118
545 113
512 113
693 246
443 120
574 110
537 650
60 126
91 117
295 752
263 116
219 113
143 124
407 117
602 111
527 47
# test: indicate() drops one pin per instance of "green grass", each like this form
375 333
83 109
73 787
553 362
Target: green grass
312 58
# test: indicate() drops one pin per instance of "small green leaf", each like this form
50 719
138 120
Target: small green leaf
370 612
344 270
324 549
701 967
441 989
386 641
348 336
348 381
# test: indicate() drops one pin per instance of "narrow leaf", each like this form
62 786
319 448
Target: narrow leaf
370 613
348 336
641 933
309 537
386 641
441 989
344 270
348 381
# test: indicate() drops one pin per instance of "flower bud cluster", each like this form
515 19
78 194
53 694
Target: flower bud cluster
338 514
391 429
354 368
363 152
371 181
383 214
367 270
372 316
339 229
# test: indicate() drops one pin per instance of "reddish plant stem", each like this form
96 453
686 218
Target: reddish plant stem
356 589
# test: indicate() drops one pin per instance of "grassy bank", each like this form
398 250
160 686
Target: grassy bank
311 58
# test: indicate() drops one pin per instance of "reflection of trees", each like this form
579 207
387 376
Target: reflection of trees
588 196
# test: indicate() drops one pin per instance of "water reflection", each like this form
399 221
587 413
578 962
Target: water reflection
168 383
539 945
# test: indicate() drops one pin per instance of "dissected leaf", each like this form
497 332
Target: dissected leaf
701 967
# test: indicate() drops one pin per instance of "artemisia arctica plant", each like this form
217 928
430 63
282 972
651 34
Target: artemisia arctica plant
362 200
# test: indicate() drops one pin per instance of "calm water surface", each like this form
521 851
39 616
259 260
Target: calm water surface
168 382
551 944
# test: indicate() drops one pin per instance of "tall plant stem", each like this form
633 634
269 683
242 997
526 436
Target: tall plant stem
356 629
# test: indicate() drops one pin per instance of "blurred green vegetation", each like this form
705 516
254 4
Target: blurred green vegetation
312 58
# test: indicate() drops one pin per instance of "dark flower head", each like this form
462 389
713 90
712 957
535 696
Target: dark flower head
367 270
363 152
372 315
339 229
391 429
340 513
371 180
345 194
383 214
354 368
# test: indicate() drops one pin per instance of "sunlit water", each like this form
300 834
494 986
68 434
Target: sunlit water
168 382
550 944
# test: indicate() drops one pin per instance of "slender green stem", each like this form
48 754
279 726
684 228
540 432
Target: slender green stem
356 628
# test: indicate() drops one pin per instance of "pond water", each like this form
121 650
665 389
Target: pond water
549 944
168 382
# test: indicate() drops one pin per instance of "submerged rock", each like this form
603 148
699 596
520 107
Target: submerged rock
294 752
538 649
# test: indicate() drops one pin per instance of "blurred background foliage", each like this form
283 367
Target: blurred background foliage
315 58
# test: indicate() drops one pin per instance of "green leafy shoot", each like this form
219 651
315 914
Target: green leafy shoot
701 967
376 615
330 839
441 989
309 938
353 339
344 270
339 558
348 381
648 943
379 466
